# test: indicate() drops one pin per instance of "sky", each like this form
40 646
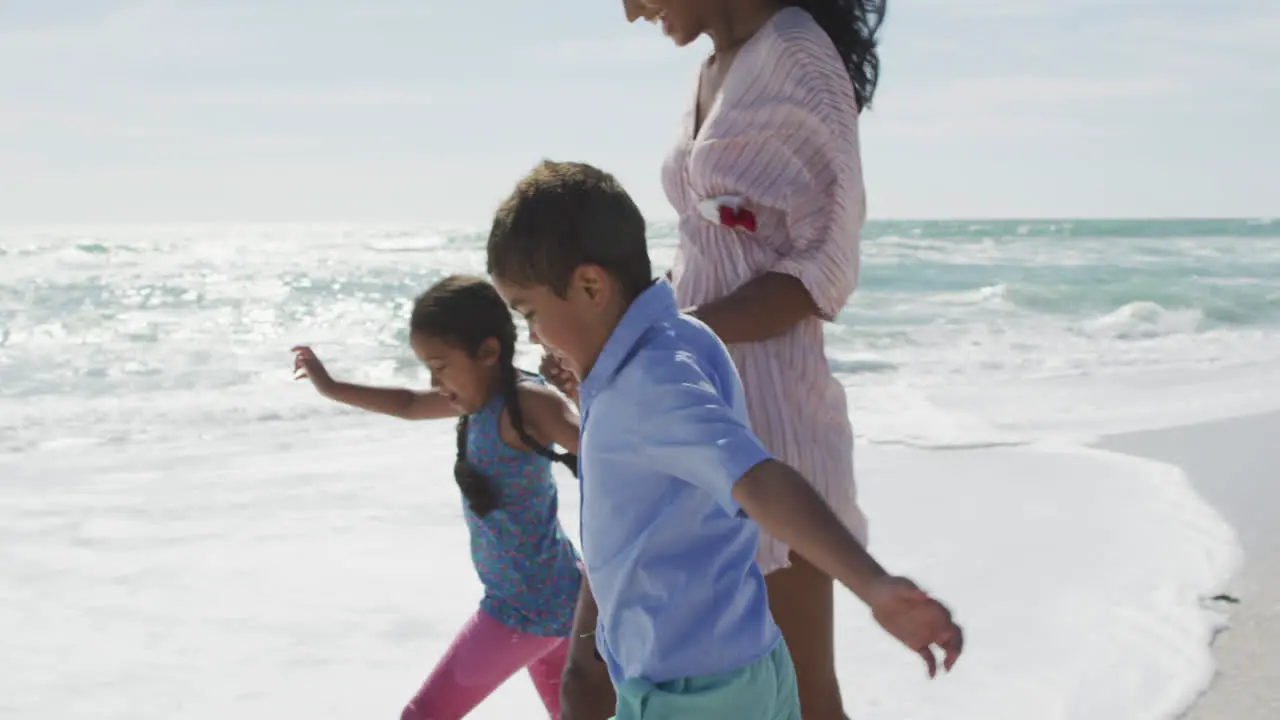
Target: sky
428 111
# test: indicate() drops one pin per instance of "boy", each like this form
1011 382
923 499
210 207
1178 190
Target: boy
673 477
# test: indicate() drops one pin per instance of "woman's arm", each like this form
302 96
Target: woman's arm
765 307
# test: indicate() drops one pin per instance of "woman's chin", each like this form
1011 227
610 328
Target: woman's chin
679 37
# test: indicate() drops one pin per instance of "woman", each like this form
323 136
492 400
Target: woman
766 178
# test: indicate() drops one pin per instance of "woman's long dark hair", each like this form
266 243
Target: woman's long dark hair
852 26
464 312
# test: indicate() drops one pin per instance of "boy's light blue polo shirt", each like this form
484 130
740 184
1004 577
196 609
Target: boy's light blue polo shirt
669 553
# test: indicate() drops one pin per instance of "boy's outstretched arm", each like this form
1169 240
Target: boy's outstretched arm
690 432
785 506
397 402
779 499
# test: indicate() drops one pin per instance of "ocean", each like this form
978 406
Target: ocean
186 530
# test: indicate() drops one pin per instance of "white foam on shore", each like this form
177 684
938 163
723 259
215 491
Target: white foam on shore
319 573
1077 574
1070 408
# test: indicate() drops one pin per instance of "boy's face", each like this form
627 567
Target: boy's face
574 327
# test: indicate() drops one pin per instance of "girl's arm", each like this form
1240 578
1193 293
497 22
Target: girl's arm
548 418
396 402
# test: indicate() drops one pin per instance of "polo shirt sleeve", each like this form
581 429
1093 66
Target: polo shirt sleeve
691 433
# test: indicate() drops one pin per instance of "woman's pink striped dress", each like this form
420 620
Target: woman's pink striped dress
783 136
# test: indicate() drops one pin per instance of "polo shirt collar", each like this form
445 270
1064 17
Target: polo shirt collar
655 304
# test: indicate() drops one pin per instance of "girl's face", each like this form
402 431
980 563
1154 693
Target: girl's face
465 379
681 20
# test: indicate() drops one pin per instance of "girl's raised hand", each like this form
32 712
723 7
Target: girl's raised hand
307 365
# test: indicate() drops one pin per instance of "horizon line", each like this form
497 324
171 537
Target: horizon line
476 227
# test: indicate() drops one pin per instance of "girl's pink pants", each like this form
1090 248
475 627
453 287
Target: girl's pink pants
483 655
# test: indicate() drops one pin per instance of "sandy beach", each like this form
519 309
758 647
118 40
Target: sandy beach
1233 464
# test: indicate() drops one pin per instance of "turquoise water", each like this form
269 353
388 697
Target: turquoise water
194 322
1229 269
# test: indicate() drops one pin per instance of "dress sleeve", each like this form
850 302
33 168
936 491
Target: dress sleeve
824 217
798 155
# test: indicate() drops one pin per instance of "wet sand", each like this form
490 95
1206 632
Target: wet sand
1235 465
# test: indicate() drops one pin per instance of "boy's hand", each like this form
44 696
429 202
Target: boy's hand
586 692
307 365
916 620
559 377
783 504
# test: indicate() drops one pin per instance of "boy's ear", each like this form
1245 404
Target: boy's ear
593 282
489 351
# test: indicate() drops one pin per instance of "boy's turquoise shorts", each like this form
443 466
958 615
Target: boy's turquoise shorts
763 690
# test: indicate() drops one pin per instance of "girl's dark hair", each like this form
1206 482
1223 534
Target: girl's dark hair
852 26
464 312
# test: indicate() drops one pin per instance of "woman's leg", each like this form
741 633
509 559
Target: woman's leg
483 655
546 672
801 600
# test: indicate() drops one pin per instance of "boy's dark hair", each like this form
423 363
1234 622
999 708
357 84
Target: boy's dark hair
563 215
465 311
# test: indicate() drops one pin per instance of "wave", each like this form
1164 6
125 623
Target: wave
1239 302
1145 319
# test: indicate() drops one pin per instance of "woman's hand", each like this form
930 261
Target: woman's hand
307 365
561 378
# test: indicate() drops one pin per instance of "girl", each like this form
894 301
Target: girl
508 421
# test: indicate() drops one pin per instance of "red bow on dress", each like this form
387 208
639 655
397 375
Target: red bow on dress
737 218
